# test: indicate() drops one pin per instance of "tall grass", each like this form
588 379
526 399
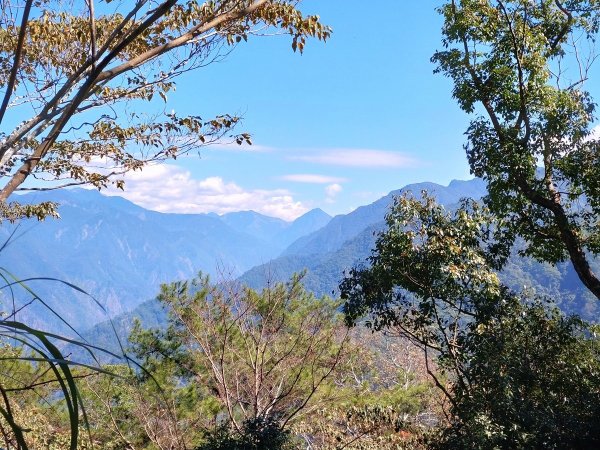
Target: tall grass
40 350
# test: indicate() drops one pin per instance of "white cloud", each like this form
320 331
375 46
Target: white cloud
312 178
168 188
332 191
358 158
594 133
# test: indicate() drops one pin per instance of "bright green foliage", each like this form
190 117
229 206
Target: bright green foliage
430 275
78 76
38 404
374 394
30 375
525 377
508 61
521 375
434 255
533 382
266 355
146 410
110 406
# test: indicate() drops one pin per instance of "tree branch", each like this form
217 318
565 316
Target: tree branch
99 75
17 61
92 33
179 41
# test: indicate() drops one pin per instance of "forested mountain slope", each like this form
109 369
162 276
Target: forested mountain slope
345 227
327 253
347 240
120 253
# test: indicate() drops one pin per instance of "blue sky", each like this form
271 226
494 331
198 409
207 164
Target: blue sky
336 128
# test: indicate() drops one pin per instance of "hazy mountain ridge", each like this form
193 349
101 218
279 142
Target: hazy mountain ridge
324 253
276 230
347 240
344 227
120 253
325 268
177 246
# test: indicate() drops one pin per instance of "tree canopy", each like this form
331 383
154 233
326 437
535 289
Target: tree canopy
67 70
521 67
515 371
269 355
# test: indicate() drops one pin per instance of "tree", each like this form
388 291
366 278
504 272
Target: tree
38 390
256 434
74 77
67 70
509 61
376 397
128 409
517 374
534 382
430 276
387 400
268 356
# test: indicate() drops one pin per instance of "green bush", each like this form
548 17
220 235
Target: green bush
256 434
532 381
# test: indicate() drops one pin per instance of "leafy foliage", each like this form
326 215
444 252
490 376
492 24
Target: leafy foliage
376 396
386 400
433 255
516 374
40 401
74 74
267 356
534 382
508 62
256 434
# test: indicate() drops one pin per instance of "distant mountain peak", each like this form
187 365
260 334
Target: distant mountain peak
317 211
473 181
313 213
344 227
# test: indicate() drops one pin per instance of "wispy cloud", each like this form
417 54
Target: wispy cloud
168 188
358 158
232 146
332 191
312 178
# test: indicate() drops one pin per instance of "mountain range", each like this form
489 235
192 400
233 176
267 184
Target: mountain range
121 253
